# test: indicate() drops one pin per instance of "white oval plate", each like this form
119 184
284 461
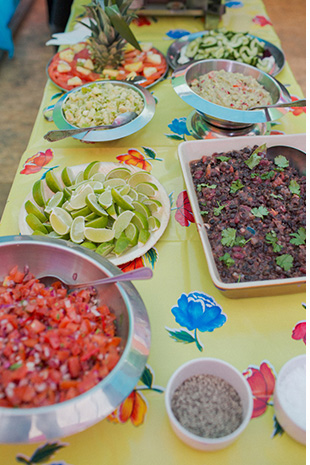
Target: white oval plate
137 251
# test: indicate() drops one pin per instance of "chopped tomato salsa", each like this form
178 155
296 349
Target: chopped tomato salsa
53 345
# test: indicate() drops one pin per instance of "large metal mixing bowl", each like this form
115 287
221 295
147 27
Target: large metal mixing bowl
224 117
132 323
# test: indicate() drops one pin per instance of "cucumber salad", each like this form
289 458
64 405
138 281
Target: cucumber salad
228 45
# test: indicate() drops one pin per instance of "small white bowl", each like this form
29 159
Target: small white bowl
224 370
284 403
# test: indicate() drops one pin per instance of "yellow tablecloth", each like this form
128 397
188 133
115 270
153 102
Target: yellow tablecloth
258 331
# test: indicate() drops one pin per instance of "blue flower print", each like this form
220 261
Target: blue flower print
196 312
234 4
177 33
178 126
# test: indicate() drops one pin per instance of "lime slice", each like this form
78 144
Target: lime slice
141 208
52 181
121 222
105 248
81 212
31 208
38 193
144 236
114 182
112 211
153 204
77 229
78 201
133 194
35 224
67 192
119 172
79 178
121 245
91 169
142 197
55 201
132 232
105 199
38 233
91 201
99 235
60 220
93 184
121 201
146 188
54 235
92 216
48 226
66 205
138 177
100 222
154 223
140 221
98 177
124 190
67 176
89 245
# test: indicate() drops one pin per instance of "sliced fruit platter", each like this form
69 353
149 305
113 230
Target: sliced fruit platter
73 66
120 212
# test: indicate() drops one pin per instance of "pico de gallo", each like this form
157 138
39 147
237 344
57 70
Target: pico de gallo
73 66
54 345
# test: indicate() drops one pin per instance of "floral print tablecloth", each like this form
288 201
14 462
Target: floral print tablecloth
189 317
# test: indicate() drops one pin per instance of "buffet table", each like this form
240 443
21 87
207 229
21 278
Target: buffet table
260 334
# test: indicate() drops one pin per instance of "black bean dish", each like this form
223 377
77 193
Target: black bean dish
254 210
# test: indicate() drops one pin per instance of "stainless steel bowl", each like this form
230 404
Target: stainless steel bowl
108 134
66 418
227 117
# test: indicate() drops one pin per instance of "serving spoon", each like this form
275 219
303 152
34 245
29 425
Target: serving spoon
120 120
139 273
296 103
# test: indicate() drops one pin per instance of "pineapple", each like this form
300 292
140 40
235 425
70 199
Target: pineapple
110 32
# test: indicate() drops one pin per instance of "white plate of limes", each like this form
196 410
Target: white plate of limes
118 211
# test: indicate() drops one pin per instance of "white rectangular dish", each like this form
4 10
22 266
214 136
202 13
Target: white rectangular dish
194 150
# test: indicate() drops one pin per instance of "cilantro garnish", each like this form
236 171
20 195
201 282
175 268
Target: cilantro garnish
285 261
299 238
294 187
260 212
202 203
228 261
204 212
281 162
228 237
210 186
223 158
241 241
271 238
15 366
235 186
268 175
255 159
217 210
275 196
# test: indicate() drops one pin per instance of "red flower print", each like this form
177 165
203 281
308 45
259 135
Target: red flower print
137 263
262 383
184 214
297 110
142 21
261 21
135 158
133 408
299 332
35 163
274 132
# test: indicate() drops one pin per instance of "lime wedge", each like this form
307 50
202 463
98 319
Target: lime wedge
114 182
153 204
112 211
78 200
133 194
67 192
132 232
81 212
38 233
92 216
100 222
55 201
38 193
146 188
105 248
48 226
91 201
154 223
141 208
93 184
99 235
124 190
119 172
31 208
60 220
91 169
77 229
144 236
79 178
54 235
105 199
35 224
67 176
121 245
52 181
138 177
89 245
98 177
121 222
140 220
121 201
142 197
